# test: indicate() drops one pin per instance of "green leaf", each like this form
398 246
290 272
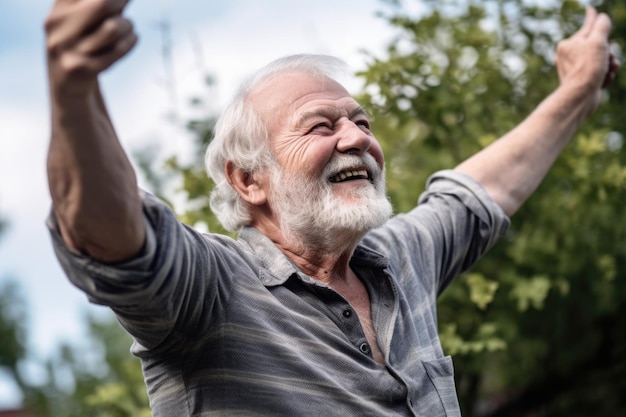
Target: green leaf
482 290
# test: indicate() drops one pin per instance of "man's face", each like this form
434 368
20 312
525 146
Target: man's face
329 173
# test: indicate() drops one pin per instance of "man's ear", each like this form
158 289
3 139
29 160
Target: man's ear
251 186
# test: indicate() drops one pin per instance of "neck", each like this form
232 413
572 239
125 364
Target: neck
326 267
326 260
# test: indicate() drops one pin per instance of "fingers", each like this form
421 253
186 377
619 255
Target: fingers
584 61
70 19
601 26
99 51
587 27
595 24
85 37
104 36
598 36
611 72
613 63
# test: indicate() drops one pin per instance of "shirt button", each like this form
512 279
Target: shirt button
364 348
347 313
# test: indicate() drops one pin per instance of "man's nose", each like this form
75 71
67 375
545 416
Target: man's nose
354 139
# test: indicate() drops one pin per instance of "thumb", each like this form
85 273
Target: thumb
590 18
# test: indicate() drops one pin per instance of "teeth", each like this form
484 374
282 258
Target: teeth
349 174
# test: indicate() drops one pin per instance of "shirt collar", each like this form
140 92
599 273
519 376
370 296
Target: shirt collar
275 267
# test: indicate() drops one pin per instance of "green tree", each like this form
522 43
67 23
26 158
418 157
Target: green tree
189 176
97 378
534 327
13 329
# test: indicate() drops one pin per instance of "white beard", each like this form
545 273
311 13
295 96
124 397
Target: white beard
315 219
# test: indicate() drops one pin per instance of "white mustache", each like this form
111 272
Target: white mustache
346 162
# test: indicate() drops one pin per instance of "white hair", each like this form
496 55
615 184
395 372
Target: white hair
241 134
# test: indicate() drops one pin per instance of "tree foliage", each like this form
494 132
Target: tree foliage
96 378
538 319
13 329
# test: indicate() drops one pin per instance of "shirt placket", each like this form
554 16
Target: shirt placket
343 315
385 302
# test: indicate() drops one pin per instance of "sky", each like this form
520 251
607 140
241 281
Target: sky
228 39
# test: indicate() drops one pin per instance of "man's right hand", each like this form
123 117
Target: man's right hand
85 37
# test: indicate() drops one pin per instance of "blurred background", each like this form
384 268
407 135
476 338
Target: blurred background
535 328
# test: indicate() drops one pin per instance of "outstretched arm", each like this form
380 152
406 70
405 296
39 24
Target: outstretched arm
511 168
93 186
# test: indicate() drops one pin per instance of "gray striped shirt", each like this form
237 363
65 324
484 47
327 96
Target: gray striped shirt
232 327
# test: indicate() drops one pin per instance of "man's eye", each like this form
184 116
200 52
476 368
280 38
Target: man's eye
322 127
363 123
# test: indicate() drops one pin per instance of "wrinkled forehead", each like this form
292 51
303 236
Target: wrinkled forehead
283 93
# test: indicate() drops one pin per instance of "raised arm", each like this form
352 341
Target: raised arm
511 168
93 186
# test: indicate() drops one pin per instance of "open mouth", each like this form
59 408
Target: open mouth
350 174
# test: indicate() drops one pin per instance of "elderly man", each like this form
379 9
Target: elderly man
325 305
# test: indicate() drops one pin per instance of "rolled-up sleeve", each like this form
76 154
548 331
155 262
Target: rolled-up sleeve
149 293
453 225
